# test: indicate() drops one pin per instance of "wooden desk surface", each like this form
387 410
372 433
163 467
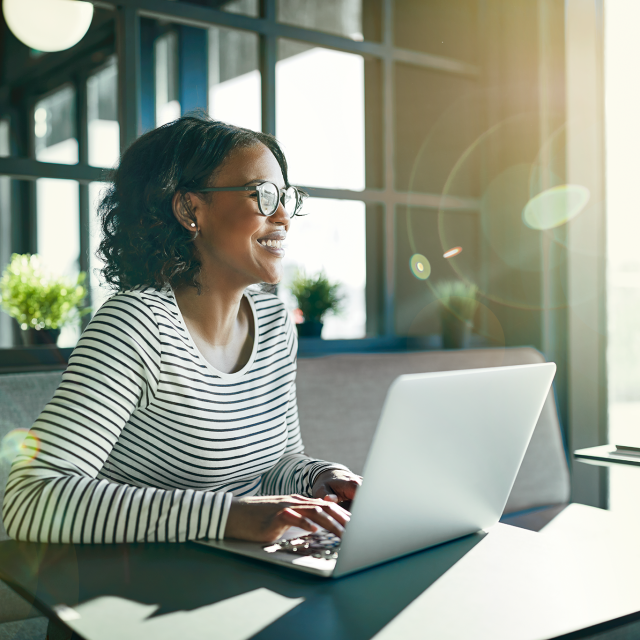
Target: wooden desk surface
509 584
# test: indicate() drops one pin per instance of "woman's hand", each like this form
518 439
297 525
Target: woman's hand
266 518
336 485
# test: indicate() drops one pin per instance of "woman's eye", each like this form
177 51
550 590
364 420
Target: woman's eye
253 194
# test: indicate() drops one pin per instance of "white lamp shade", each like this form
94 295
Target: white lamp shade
48 25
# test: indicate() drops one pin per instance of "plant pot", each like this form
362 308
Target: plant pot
33 337
310 329
455 332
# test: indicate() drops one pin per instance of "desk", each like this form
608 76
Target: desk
603 456
508 584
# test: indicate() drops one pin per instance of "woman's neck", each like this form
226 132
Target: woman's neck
216 313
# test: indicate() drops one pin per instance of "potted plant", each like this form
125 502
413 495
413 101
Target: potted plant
41 302
458 306
316 296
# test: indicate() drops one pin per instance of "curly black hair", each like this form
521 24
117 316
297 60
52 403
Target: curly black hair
142 242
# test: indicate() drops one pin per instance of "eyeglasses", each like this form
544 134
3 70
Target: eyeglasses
269 196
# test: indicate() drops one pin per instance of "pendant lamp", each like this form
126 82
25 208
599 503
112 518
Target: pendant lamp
48 25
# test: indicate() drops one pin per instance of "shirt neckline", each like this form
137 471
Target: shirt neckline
221 374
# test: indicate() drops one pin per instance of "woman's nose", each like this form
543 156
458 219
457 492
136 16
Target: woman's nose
280 215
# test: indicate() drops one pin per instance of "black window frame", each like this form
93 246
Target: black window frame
381 203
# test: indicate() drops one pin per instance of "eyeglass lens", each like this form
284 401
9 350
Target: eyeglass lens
269 197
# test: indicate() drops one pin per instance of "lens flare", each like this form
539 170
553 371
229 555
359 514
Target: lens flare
420 266
452 252
19 442
556 206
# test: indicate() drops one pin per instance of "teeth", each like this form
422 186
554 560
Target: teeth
276 244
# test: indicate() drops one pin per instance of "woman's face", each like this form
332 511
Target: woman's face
231 228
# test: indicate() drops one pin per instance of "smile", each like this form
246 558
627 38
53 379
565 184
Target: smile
277 244
272 246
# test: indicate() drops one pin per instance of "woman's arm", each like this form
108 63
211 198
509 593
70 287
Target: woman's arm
53 493
295 473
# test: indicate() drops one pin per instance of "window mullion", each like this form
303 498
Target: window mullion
128 48
268 59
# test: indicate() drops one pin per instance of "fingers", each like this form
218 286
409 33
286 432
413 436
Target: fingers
291 518
311 513
330 516
348 490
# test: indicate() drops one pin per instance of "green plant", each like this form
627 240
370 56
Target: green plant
316 295
457 298
36 298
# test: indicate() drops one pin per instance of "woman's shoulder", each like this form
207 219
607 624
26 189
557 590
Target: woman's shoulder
274 321
143 305
267 305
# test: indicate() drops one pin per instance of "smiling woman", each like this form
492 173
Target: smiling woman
176 418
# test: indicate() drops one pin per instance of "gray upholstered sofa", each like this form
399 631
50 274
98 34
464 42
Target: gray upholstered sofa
340 398
22 397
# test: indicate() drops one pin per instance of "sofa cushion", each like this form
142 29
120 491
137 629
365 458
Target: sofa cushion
340 399
33 629
14 607
22 398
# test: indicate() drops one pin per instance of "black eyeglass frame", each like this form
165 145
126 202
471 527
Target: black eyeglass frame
300 195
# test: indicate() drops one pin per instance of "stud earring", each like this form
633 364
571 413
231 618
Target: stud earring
193 224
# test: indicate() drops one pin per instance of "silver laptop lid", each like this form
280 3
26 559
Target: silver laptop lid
443 459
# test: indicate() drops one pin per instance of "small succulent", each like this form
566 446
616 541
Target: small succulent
316 295
36 298
457 298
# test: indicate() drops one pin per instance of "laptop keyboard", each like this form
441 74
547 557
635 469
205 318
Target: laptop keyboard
321 544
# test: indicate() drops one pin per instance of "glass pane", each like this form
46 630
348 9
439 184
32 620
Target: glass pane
102 116
234 77
622 130
99 291
244 7
6 332
55 127
40 73
446 28
331 239
341 17
437 117
166 72
58 225
320 115
417 232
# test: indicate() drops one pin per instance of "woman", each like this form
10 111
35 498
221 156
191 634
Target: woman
176 418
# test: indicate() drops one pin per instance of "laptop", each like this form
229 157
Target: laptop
442 463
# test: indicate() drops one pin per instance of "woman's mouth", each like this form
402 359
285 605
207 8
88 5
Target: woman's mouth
272 246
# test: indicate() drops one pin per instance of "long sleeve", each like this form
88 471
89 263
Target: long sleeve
294 472
54 493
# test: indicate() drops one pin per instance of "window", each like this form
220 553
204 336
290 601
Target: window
341 17
102 117
166 73
5 229
331 239
320 116
55 127
351 103
242 7
234 77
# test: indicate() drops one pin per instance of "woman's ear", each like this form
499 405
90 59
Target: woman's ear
184 211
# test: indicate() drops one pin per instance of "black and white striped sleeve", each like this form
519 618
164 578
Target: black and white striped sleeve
54 494
294 472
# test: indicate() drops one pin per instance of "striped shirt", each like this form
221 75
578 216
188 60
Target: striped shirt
145 440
